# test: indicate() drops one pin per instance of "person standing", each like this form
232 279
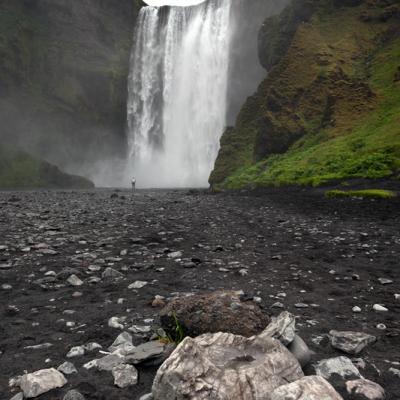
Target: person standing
133 184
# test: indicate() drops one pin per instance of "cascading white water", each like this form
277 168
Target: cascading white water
178 94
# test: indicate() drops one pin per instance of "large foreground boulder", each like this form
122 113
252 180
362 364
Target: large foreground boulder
307 388
215 312
224 366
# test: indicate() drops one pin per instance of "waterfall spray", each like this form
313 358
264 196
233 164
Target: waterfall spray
178 93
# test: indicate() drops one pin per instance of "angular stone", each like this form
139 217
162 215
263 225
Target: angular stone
339 365
281 328
125 375
122 340
18 396
41 381
106 363
137 285
307 388
67 368
225 366
73 280
214 312
368 389
145 352
379 308
350 342
111 273
76 351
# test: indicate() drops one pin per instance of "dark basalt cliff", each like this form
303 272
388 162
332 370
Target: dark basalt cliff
63 76
328 108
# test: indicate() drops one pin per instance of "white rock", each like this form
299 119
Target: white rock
379 308
41 381
339 365
307 388
175 254
226 365
18 396
385 281
73 280
137 285
115 322
356 309
395 371
125 375
76 351
370 390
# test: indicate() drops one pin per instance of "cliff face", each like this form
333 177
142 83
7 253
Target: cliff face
328 109
63 72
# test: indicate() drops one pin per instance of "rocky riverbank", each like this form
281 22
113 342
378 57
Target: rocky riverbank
79 268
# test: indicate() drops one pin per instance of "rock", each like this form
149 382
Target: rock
307 388
300 350
214 312
301 305
115 322
225 366
67 368
379 308
148 396
395 371
111 273
140 328
350 342
356 309
370 390
145 352
73 280
123 340
125 375
281 328
76 351
18 396
175 254
339 365
385 281
73 395
137 285
41 381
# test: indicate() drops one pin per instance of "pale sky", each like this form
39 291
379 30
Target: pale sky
172 2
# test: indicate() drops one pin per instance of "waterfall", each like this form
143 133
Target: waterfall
177 99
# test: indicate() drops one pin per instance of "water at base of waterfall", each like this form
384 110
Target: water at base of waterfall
178 94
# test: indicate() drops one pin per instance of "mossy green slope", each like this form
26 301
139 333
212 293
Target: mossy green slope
328 110
20 170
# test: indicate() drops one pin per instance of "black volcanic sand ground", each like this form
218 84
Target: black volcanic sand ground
294 242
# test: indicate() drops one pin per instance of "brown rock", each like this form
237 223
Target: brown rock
214 312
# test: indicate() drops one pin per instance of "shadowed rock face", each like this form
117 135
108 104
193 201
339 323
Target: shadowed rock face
64 76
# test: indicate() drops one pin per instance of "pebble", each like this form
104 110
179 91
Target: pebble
76 351
379 308
356 309
301 305
125 375
137 285
67 368
382 327
73 395
73 280
385 281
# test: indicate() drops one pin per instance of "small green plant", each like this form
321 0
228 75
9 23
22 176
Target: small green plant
367 193
178 333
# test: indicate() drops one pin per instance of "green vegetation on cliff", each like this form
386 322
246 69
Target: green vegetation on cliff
19 170
330 108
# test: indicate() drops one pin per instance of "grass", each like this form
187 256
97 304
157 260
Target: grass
367 193
178 333
371 149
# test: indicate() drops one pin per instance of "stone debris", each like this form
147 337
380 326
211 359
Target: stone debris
350 342
145 351
307 388
229 366
300 350
73 280
339 365
379 308
281 328
125 375
370 390
67 368
42 381
137 285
